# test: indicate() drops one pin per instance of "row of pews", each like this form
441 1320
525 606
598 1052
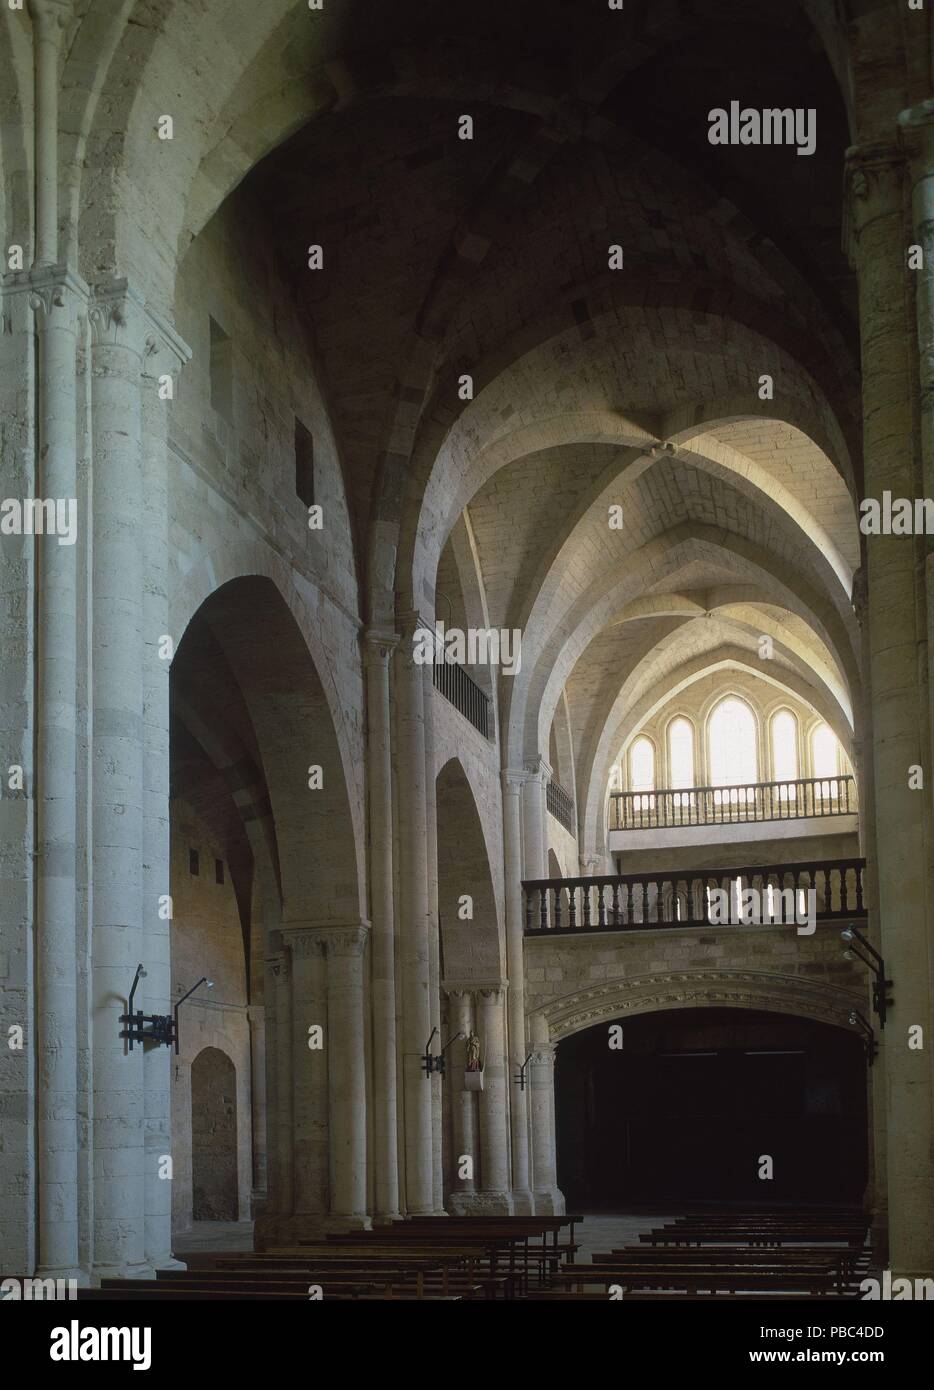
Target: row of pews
449 1258
773 1254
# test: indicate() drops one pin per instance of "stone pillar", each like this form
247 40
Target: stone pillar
119 324
464 1109
164 355
897 618
309 1131
515 974
434 943
494 1196
58 300
379 649
48 20
414 952
346 1076
257 1016
549 1201
534 819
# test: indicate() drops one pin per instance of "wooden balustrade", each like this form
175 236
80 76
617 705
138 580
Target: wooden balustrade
674 898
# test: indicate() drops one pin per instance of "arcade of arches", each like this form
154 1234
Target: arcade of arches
321 373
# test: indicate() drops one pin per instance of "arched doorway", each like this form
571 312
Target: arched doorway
695 1099
214 1137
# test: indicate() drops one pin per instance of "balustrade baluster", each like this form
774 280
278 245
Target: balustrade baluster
572 904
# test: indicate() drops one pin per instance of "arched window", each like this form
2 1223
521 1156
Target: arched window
825 761
642 766
681 753
731 737
784 731
681 767
642 781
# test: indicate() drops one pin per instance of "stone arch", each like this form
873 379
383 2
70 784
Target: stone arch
318 831
472 946
215 1195
741 989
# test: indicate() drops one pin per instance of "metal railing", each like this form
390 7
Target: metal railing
676 898
463 692
560 804
733 805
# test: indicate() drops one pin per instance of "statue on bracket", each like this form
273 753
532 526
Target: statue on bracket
473 1053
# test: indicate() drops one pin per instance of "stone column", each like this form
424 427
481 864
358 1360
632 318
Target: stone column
414 951
119 324
309 1131
163 357
534 822
494 1196
549 1200
346 1076
899 715
464 1110
378 653
515 974
434 942
58 300
257 1016
48 20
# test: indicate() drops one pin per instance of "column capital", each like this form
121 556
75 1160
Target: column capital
379 645
280 966
873 175
57 12
121 317
303 943
344 941
537 770
457 991
543 1056
493 992
514 779
47 288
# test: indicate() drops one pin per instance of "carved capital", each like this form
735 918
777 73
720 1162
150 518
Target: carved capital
513 780
492 994
51 14
873 188
304 943
344 941
57 296
120 317
379 645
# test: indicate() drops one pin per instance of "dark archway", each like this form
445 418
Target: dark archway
214 1137
686 1111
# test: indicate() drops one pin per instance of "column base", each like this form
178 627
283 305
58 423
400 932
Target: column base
80 1276
140 1271
481 1204
523 1203
386 1218
355 1221
167 1262
274 1229
549 1202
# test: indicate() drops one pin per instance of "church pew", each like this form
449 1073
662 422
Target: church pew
434 1266
805 1278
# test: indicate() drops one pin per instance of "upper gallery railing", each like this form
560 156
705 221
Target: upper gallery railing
753 801
458 686
560 804
683 897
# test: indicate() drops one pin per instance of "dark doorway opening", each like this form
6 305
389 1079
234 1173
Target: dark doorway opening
695 1101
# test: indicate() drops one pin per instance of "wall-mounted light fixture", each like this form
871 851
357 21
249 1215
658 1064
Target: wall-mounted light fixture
436 1064
858 948
870 1046
520 1074
163 1028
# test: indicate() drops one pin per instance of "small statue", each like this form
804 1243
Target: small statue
473 1053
